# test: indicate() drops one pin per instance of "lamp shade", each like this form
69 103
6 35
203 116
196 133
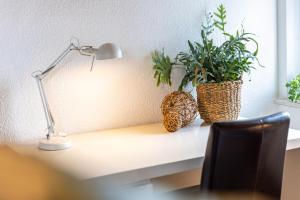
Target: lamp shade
108 51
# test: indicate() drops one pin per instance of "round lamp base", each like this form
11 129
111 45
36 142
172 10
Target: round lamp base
55 143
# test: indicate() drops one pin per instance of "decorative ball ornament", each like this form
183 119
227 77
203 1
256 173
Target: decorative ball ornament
179 109
172 121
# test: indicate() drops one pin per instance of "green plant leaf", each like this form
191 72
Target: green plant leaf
293 87
162 67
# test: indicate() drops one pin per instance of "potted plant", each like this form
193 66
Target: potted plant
215 70
293 87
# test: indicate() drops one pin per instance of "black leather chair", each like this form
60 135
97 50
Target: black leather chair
246 156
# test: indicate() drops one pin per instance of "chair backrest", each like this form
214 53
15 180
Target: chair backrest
246 156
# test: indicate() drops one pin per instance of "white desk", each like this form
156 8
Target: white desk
134 154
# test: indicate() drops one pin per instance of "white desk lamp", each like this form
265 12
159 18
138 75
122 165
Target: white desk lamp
55 140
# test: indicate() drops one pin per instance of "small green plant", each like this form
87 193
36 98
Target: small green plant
206 62
294 89
162 67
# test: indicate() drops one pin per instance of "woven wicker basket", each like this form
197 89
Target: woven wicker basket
219 101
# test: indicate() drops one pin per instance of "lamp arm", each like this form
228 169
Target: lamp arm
48 115
70 48
39 76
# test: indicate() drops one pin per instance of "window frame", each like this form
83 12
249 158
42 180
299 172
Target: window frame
282 49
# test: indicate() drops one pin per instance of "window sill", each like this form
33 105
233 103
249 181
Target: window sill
286 102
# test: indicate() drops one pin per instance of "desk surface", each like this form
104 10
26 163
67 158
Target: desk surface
135 153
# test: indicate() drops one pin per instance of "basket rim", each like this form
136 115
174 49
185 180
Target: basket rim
221 83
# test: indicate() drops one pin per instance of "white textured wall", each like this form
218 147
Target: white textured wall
115 94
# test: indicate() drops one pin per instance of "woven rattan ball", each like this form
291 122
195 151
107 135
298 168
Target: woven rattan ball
184 105
172 121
